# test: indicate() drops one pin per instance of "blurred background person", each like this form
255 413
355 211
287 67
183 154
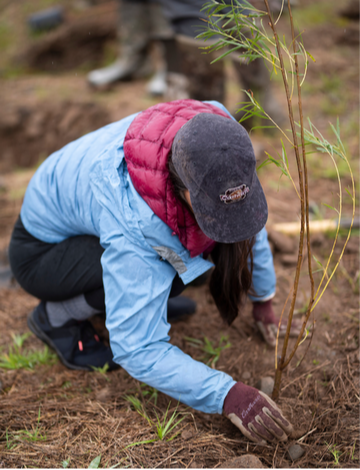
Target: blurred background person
141 27
182 69
192 75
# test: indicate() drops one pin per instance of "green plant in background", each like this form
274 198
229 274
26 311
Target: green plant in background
5 36
212 352
250 32
20 358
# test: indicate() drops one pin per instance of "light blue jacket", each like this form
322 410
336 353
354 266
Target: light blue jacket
85 188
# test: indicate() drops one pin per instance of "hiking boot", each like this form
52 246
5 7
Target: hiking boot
205 81
134 39
139 26
76 343
256 77
180 308
157 85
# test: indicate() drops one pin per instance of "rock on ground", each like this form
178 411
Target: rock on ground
244 461
266 385
295 452
246 375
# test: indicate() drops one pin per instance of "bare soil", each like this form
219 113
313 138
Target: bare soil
85 414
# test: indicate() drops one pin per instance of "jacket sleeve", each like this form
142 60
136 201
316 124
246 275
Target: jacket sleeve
137 285
264 279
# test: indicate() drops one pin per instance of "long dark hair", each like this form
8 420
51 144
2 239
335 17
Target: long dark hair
231 280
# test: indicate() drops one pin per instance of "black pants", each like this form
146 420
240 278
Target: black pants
60 271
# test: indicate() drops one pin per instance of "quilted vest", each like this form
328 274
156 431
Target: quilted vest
147 146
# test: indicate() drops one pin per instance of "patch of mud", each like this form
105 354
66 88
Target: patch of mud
349 36
29 134
75 43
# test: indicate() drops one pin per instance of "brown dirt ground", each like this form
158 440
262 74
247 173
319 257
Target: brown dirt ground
84 415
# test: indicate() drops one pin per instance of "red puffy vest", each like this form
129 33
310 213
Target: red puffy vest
147 146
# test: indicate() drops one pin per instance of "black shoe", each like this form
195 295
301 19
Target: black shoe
76 343
179 308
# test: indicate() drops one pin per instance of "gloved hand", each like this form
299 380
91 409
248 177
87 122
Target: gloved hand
267 323
256 415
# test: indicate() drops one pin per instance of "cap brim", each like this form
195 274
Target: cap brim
230 223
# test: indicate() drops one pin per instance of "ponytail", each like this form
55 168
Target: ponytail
231 279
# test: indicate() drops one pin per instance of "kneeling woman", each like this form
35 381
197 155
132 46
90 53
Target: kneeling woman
123 219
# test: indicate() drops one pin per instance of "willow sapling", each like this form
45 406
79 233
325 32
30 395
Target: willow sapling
239 29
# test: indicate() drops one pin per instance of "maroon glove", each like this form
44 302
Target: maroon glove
256 415
267 323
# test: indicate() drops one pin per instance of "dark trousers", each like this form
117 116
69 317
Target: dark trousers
60 271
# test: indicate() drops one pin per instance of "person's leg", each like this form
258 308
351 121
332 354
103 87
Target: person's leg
190 72
255 76
161 34
134 39
60 271
67 277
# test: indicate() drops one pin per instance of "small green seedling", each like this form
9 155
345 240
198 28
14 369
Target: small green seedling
20 339
139 407
353 281
353 452
102 370
164 428
162 425
31 436
65 463
326 317
149 392
212 353
334 452
9 442
19 358
326 382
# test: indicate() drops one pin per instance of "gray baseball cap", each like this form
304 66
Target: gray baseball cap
214 158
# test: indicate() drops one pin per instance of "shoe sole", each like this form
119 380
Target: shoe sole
43 337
